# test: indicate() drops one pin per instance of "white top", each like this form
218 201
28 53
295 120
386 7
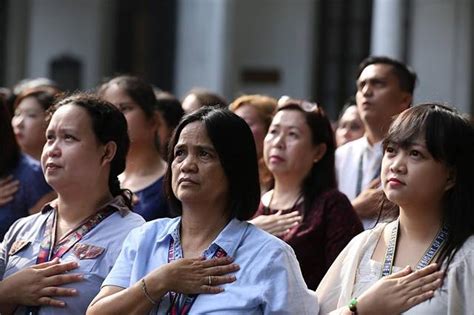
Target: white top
347 167
353 272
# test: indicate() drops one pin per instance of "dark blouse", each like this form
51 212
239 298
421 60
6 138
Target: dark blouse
326 229
152 203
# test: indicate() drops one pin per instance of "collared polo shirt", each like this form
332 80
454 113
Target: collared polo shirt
95 253
269 280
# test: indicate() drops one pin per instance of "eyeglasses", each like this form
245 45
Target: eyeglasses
285 101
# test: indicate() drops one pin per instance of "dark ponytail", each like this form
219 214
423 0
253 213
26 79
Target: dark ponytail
115 190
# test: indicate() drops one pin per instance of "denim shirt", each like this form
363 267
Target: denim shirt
95 253
269 279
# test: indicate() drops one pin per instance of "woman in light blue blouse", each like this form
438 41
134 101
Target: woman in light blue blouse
212 181
84 227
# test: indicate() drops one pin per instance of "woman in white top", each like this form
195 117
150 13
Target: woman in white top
426 172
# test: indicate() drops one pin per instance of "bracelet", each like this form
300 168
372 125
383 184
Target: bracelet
145 291
353 306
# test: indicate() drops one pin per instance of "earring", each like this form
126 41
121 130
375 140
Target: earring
315 161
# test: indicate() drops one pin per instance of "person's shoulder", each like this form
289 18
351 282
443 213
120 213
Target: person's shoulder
332 200
156 229
465 254
26 225
264 241
129 219
368 235
350 147
27 167
334 194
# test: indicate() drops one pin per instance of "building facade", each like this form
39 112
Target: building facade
303 48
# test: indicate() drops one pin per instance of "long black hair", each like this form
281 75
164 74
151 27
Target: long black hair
322 176
450 140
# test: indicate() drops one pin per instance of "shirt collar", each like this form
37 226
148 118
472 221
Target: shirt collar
228 239
117 202
376 147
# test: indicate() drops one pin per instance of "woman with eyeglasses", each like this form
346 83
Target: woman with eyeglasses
299 152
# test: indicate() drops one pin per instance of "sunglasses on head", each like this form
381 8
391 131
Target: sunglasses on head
286 101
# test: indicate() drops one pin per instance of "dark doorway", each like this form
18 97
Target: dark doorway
3 39
343 41
146 39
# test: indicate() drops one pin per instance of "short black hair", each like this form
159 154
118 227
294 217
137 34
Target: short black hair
235 146
406 76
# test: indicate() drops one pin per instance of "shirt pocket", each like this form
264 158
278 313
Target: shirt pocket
19 256
87 255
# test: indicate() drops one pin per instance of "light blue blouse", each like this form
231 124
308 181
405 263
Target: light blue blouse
269 279
95 253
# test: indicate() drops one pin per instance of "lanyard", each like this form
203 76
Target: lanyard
428 256
181 304
49 249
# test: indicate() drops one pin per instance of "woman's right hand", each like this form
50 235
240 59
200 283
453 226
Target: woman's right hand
192 276
39 284
277 224
400 291
8 187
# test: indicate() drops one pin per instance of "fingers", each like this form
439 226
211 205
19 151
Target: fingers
375 183
211 283
8 188
63 279
51 302
419 298
402 273
427 283
6 180
59 268
422 272
285 222
56 291
222 270
219 280
210 290
215 262
55 261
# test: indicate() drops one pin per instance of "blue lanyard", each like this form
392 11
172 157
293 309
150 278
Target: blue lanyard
428 256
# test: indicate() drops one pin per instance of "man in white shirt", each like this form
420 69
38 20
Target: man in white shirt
384 89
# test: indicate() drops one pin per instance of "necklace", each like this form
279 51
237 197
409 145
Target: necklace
430 253
267 209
